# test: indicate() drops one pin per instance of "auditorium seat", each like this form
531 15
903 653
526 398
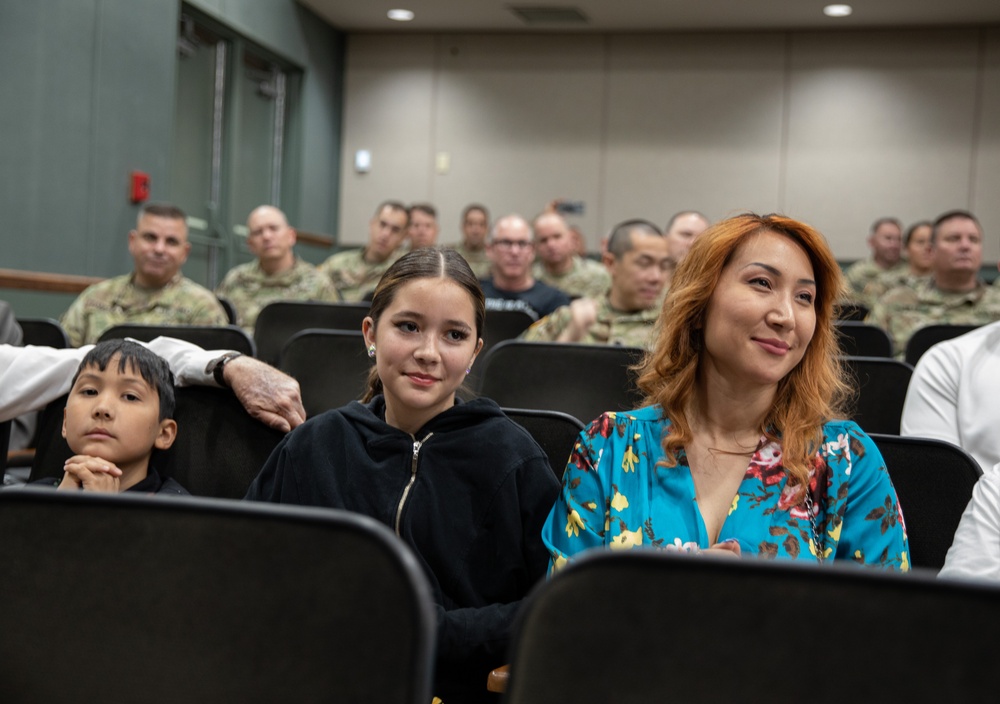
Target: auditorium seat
926 337
164 600
934 481
331 367
209 337
641 626
859 339
881 391
555 432
278 321
44 332
581 380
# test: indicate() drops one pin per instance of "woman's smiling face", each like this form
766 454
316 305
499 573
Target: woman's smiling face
761 316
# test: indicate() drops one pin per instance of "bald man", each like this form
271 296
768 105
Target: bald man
559 265
276 275
681 232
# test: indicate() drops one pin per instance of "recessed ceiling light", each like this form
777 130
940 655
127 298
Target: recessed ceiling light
400 15
837 10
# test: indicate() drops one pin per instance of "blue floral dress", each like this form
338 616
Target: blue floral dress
614 495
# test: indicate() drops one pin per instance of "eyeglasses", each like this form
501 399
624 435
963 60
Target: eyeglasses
512 244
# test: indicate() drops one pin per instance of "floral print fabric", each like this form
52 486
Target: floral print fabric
615 495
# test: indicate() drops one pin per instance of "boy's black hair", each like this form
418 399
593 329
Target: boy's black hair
151 367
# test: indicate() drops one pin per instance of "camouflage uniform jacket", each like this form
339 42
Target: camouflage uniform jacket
863 272
902 311
478 259
585 278
611 327
889 280
352 275
119 300
249 288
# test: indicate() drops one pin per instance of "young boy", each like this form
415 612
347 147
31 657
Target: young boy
118 411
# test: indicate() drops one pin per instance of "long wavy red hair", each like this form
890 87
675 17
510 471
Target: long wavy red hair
814 392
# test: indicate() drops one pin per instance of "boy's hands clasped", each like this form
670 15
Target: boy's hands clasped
91 474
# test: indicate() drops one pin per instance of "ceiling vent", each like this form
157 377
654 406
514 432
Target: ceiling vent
534 14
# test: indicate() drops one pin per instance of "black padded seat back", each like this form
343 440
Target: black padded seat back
581 380
641 626
934 481
331 367
501 325
44 332
555 432
278 321
881 385
230 309
863 340
926 337
208 337
198 600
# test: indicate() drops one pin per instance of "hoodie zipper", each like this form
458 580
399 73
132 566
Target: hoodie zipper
417 444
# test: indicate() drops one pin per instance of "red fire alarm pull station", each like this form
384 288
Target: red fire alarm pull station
139 192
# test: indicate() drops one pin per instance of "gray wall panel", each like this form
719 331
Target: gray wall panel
986 174
881 123
836 128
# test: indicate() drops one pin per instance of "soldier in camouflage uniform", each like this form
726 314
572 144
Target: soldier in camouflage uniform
424 228
356 272
918 257
558 265
885 241
155 293
475 228
638 262
954 296
276 275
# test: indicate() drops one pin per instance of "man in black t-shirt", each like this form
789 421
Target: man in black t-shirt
511 285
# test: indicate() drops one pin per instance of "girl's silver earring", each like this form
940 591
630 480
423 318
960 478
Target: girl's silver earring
371 351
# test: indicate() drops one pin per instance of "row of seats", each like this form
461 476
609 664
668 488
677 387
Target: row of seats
277 323
581 380
584 381
204 600
864 340
220 448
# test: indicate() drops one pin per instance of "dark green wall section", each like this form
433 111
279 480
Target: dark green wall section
293 32
88 92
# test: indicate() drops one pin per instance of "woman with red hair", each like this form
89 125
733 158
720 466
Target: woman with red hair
738 449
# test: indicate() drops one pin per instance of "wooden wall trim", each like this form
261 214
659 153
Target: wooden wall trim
314 239
43 281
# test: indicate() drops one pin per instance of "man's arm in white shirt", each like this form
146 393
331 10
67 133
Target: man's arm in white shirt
31 377
975 552
931 406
